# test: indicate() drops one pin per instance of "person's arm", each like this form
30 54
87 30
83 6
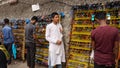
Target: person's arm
34 33
116 49
11 36
93 44
116 45
92 40
61 29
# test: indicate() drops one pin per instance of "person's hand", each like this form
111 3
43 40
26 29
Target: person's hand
116 60
61 30
92 55
58 42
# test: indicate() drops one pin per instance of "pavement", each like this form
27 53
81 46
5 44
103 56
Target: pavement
21 64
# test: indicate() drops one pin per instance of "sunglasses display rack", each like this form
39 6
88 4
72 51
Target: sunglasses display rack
82 24
41 43
80 41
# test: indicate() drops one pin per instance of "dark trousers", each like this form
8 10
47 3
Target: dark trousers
103 66
31 49
9 49
3 61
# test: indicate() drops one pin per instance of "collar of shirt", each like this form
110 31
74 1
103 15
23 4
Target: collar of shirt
55 24
7 26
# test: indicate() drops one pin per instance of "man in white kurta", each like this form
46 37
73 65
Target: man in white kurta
56 50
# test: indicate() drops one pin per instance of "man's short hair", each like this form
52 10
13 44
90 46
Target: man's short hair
53 14
34 18
100 15
6 21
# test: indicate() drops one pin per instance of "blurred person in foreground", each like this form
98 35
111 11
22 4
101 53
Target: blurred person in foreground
104 43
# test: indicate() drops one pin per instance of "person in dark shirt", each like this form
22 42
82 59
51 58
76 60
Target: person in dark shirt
105 43
30 42
3 60
8 38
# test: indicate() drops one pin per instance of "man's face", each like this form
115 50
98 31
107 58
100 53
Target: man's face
33 21
56 19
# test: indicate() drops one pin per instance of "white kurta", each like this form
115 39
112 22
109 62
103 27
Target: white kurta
56 52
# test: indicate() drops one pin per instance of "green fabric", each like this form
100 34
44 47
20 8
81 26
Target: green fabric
5 52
